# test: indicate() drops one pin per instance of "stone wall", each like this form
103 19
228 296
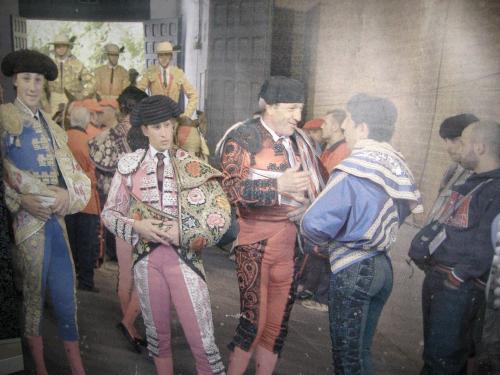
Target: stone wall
433 58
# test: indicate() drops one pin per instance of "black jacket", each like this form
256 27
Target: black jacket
467 247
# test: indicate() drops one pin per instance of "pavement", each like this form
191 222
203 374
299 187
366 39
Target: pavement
306 351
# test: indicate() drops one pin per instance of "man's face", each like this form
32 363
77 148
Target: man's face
61 50
164 59
469 158
453 147
29 88
160 135
328 128
113 58
284 117
351 132
316 135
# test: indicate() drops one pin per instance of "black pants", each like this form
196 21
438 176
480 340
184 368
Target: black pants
317 278
83 233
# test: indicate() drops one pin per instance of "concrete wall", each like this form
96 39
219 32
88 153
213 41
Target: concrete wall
433 58
8 8
164 8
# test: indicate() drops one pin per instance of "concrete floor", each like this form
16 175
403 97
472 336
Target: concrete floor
105 351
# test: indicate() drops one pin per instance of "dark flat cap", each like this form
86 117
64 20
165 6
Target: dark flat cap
29 61
279 89
153 110
453 126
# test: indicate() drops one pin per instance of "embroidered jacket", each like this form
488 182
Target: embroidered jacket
35 155
177 81
191 195
105 149
252 161
106 88
368 196
74 77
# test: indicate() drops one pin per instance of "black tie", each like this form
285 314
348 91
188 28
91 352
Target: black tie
62 70
112 71
159 170
164 78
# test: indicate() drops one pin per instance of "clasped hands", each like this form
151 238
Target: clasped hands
293 184
153 230
35 206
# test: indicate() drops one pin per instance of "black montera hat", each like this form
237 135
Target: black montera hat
129 98
453 126
281 89
29 61
153 110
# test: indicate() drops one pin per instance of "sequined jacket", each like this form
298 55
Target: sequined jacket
151 80
252 161
75 78
35 155
191 196
103 85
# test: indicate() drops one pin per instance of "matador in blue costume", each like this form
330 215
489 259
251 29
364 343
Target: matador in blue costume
43 183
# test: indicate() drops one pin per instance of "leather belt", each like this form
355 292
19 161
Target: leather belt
447 270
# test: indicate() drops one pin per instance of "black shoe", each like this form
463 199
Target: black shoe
132 340
91 289
305 294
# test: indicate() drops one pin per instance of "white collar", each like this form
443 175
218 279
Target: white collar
36 113
112 66
275 136
154 151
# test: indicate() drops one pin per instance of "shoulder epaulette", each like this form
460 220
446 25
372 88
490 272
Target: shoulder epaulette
248 136
129 163
10 121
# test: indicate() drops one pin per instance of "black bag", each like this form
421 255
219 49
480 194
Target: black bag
420 248
428 239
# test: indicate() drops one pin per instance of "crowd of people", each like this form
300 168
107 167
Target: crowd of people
93 163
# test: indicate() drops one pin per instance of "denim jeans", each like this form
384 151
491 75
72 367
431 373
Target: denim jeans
450 318
358 294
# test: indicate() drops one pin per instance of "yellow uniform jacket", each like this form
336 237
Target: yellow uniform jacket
107 88
177 80
74 77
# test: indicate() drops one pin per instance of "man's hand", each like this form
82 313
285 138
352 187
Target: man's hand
293 182
297 213
153 230
61 204
34 206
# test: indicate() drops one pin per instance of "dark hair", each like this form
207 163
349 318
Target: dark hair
453 126
379 114
338 114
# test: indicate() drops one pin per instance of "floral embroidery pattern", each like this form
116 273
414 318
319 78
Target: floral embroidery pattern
215 220
196 196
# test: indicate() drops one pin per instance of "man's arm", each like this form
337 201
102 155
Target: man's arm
329 212
192 95
478 259
239 188
115 212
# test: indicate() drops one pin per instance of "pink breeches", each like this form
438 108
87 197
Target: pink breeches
163 279
126 290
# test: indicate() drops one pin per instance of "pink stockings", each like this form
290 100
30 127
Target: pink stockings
129 301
